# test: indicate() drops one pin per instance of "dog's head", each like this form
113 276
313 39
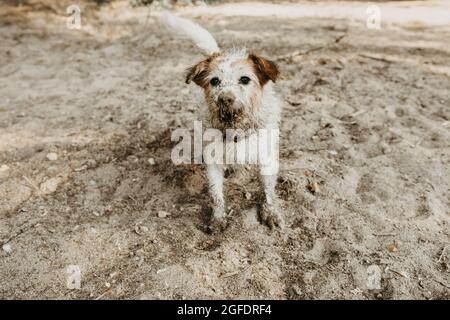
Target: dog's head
233 83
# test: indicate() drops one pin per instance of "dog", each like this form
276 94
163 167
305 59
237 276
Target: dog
240 96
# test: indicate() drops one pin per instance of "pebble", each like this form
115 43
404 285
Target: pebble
151 161
297 290
392 248
96 213
163 214
82 168
52 156
50 185
7 248
140 230
91 164
332 152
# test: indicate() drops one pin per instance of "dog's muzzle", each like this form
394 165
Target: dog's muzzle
228 110
226 100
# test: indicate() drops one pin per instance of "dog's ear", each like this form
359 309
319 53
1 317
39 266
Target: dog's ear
199 72
265 69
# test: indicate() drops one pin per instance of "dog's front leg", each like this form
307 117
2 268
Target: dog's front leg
269 210
215 179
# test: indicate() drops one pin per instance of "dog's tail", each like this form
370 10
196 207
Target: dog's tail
202 38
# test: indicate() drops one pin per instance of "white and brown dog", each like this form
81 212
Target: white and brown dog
239 93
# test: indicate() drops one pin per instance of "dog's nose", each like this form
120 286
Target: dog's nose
226 99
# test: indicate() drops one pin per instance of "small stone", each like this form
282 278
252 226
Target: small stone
297 290
91 164
392 248
107 284
7 248
248 196
163 214
140 230
52 156
82 168
332 152
50 185
151 161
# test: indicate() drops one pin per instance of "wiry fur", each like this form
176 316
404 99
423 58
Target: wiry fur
233 104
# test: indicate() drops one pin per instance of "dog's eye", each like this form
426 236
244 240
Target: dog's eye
214 81
244 80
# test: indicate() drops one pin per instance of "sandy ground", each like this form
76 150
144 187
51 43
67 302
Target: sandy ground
367 117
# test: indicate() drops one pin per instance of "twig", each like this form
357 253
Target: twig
227 275
384 234
442 254
103 294
442 283
357 113
402 274
302 53
375 58
18 233
31 183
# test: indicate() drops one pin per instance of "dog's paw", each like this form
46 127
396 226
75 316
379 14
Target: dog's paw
218 220
271 216
217 225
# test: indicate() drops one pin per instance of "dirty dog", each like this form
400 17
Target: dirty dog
239 93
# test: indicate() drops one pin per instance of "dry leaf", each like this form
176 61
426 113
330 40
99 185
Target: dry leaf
392 248
313 187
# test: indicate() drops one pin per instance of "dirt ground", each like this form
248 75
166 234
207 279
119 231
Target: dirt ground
366 116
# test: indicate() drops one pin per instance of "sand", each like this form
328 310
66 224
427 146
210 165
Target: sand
366 117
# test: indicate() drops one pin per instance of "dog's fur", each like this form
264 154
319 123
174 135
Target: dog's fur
242 98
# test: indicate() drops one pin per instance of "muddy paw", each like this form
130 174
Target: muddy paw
217 225
271 216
